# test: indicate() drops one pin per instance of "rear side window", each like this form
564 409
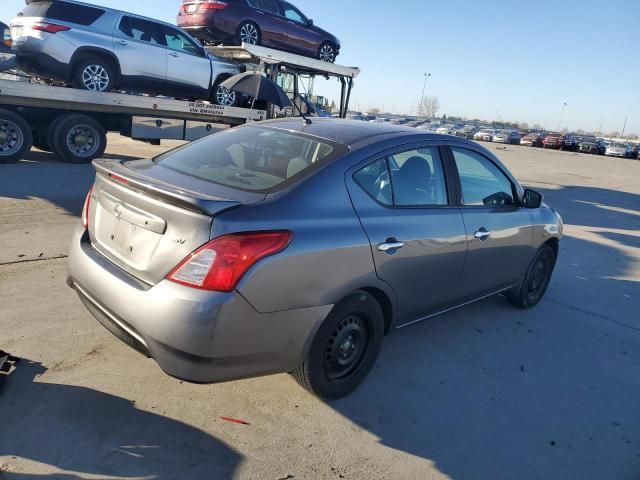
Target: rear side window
63 11
256 159
270 6
142 30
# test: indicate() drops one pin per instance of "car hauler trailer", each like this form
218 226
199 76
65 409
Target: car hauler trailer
73 123
275 63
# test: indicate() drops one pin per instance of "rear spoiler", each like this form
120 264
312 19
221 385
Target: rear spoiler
116 172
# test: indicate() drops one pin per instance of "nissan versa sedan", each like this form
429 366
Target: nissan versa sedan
271 23
285 247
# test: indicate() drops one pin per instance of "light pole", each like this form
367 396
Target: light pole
564 105
624 128
424 87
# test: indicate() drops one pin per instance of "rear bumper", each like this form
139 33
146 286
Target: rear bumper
192 334
43 65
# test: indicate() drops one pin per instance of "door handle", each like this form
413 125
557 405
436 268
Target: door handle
482 234
390 245
123 42
174 54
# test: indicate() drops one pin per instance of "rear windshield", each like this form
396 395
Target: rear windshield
257 159
63 11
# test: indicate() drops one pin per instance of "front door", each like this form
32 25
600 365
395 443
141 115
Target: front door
417 235
499 232
188 66
299 36
140 48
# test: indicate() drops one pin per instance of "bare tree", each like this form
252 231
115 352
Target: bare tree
374 111
430 107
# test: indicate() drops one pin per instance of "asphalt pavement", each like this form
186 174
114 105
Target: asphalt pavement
486 392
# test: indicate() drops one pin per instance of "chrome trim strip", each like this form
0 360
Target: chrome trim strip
113 319
454 308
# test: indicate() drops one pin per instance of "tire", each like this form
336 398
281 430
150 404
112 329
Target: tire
77 138
223 96
355 329
327 53
533 286
249 32
94 74
16 137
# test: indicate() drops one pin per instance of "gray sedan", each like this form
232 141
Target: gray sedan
285 247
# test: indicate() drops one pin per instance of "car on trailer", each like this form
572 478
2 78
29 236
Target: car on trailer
101 49
271 23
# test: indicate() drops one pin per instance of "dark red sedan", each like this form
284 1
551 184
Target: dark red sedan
272 23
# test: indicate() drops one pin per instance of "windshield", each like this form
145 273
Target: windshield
252 158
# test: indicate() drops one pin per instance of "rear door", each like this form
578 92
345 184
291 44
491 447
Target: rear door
499 232
188 66
140 47
417 235
272 24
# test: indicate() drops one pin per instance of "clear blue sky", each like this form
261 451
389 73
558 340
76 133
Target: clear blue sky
494 59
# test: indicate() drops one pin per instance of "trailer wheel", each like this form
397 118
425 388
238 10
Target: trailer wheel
78 138
16 137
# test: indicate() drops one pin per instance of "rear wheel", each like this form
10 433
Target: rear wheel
16 137
533 286
344 349
94 74
249 33
327 53
77 138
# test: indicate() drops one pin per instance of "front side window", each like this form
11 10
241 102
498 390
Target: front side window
409 179
292 13
176 40
252 158
483 183
141 30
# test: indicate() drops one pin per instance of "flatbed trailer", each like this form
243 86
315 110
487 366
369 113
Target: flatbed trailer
73 123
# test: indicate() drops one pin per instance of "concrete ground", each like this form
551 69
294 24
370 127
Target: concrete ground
487 392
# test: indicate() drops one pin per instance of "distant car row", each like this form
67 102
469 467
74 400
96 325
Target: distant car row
569 142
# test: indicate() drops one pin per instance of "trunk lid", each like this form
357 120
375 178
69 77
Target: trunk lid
146 219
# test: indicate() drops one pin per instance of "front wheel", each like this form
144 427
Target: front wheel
533 286
95 75
327 53
344 349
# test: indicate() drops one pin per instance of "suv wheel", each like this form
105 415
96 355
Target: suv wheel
344 349
223 96
249 33
95 75
327 53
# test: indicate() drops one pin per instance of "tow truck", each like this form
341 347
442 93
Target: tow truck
73 123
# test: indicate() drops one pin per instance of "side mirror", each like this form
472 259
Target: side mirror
310 22
531 199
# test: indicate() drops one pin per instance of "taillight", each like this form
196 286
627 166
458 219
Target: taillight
213 5
85 209
49 27
220 264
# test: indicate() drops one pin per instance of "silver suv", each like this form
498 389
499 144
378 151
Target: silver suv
101 49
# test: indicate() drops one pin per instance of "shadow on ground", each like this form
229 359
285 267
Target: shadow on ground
57 425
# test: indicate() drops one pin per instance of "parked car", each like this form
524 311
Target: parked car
446 129
533 140
468 131
272 248
100 49
5 41
554 140
484 134
511 137
271 23
618 149
592 145
570 143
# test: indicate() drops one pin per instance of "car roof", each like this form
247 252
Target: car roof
346 132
